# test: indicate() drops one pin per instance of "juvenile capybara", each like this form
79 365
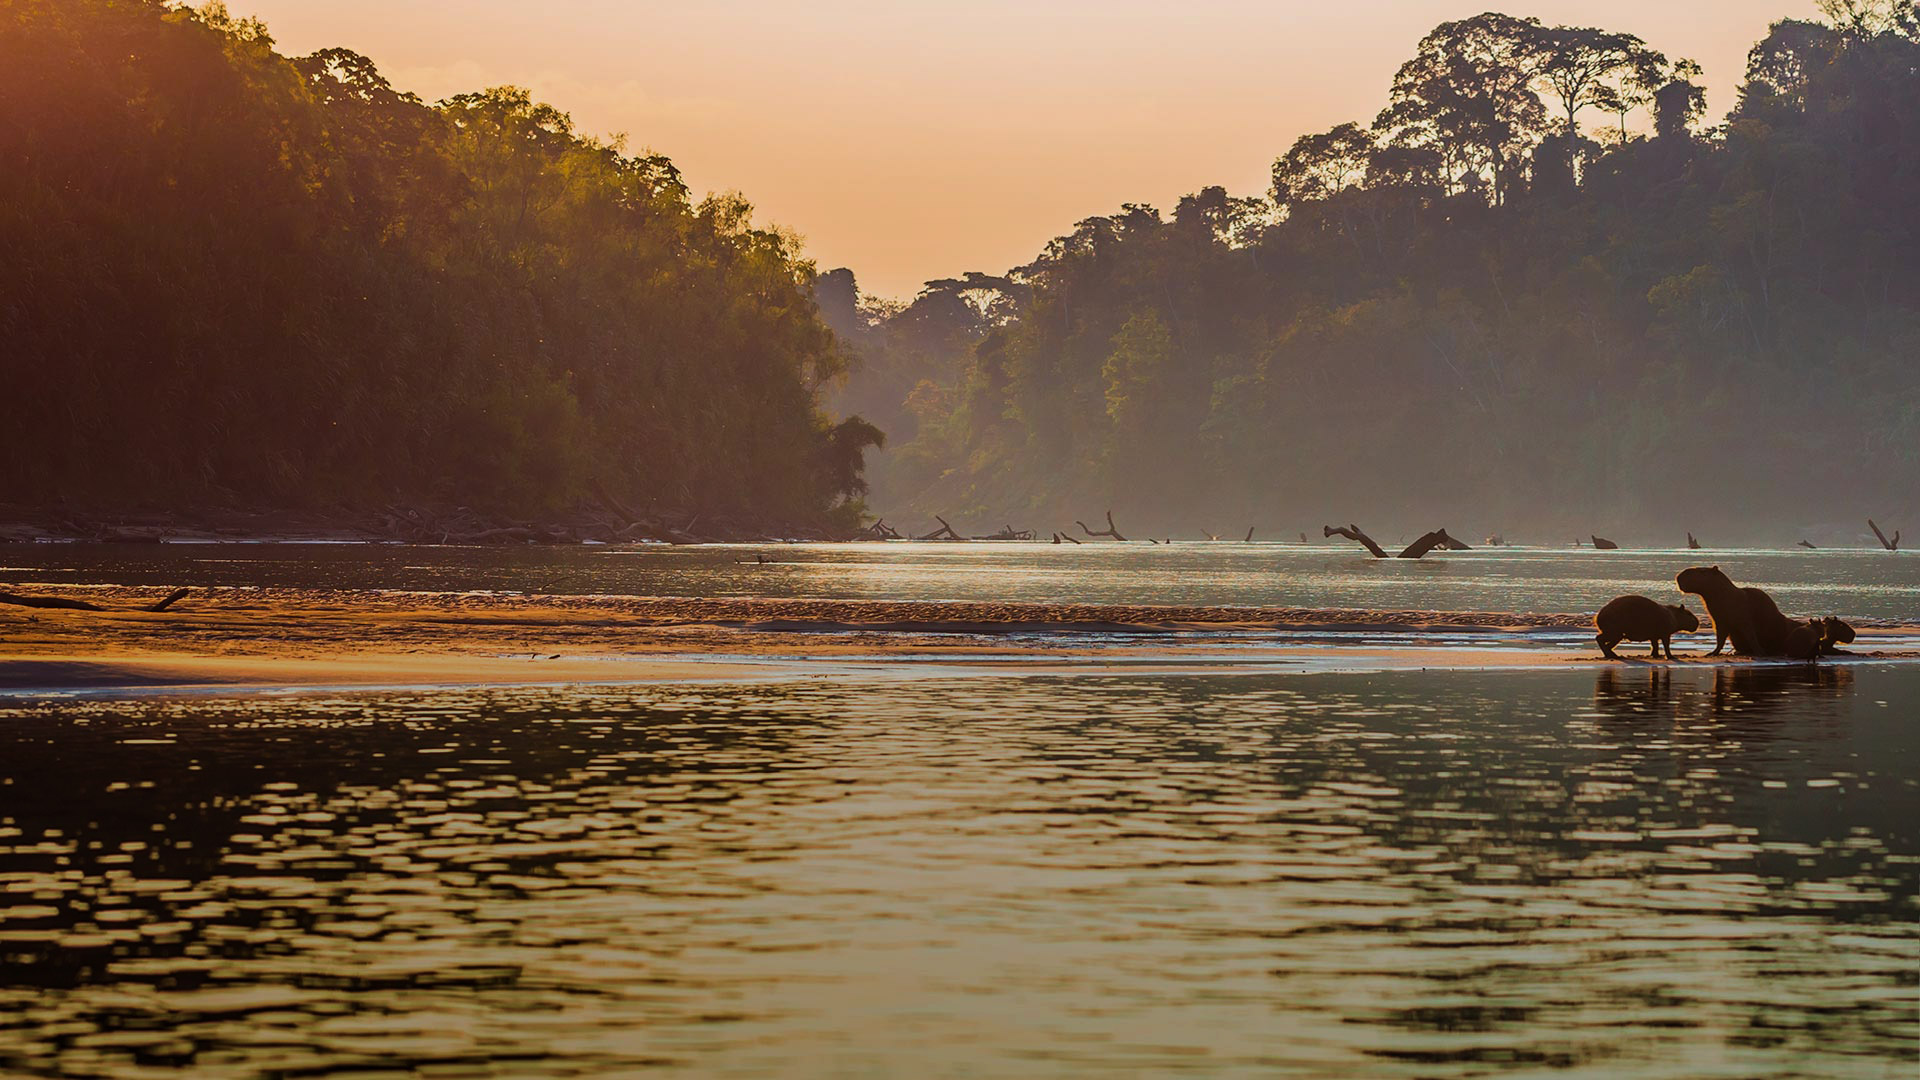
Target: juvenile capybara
1806 641
1834 634
1747 617
1637 618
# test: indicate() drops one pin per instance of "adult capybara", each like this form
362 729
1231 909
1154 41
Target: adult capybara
1636 618
1747 617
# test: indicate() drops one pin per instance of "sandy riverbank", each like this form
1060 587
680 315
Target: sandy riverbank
293 638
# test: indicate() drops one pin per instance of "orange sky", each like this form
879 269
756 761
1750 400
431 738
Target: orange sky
912 139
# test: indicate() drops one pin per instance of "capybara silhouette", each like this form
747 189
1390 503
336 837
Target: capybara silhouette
1833 634
1806 640
1637 618
1747 617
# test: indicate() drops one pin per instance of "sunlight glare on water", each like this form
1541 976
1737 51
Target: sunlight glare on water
1629 872
1850 583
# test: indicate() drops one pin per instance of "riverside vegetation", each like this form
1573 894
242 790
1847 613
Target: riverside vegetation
1504 299
239 279
235 278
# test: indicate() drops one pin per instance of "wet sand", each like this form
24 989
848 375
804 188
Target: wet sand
245 639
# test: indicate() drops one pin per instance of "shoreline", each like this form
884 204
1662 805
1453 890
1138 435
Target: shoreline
248 640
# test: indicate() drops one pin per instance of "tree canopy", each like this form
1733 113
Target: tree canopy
1469 306
232 276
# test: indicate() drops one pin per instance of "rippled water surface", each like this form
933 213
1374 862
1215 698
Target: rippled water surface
1628 872
1851 583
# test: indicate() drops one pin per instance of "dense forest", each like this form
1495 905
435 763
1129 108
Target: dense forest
230 277
1539 292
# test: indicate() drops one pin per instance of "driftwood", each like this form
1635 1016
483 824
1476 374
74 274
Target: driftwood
944 532
1069 538
1601 543
1890 545
1352 532
48 602
1694 545
82 605
1112 530
879 530
1008 532
1248 539
1438 538
1808 545
172 598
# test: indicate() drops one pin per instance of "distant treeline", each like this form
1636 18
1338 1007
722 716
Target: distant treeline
229 277
1503 301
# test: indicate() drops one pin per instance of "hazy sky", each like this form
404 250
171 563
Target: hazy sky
912 139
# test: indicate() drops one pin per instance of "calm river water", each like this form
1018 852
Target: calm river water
1627 872
1850 583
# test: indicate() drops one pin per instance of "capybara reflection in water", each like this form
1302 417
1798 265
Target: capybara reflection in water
1637 618
1747 617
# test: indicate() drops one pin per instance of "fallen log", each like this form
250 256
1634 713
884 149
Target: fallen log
1601 543
1352 532
48 602
1069 538
1808 545
1890 545
1438 538
171 599
67 604
944 532
1112 530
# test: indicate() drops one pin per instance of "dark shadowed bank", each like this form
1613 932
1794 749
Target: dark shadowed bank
232 281
1541 292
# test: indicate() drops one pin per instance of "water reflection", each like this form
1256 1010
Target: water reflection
1731 691
1421 875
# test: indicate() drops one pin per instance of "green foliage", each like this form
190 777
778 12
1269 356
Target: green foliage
1438 318
235 276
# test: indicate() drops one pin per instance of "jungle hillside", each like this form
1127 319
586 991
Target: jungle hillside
1539 293
230 277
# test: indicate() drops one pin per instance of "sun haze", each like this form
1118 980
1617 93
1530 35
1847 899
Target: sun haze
913 140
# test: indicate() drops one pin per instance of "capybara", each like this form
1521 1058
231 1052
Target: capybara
1834 634
1637 618
1806 641
1747 617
